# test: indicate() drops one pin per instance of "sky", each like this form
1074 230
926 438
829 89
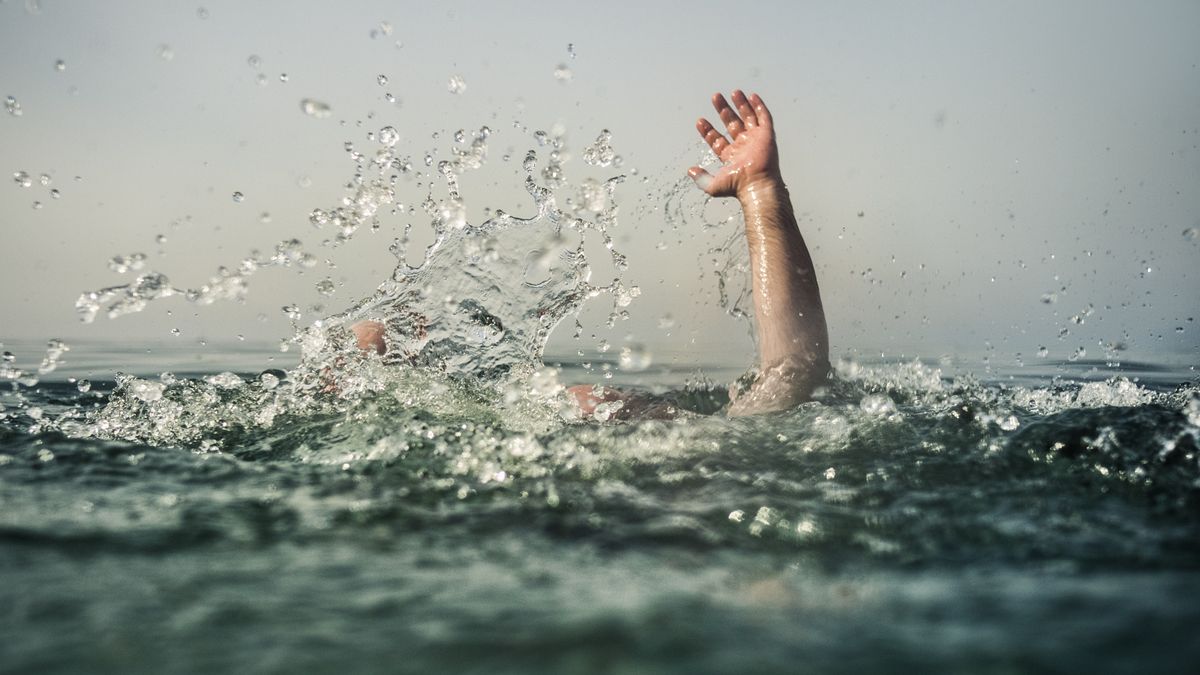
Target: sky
984 178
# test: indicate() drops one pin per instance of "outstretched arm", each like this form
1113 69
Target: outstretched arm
793 341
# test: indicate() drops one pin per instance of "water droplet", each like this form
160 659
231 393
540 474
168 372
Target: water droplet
13 107
382 80
326 286
562 73
145 390
830 473
389 136
44 179
457 84
176 332
84 386
254 61
292 312
1077 354
283 77
1049 298
601 152
165 52
238 197
60 65
23 179
160 239
202 12
1191 234
37 205
1042 352
571 49
55 194
264 217
315 108
262 80
634 358
268 380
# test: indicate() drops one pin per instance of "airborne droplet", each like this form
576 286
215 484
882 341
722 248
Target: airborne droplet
315 108
457 84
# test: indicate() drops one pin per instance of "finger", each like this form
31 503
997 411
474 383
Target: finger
702 178
761 112
732 122
715 139
744 109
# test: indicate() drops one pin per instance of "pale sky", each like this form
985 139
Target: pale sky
1000 155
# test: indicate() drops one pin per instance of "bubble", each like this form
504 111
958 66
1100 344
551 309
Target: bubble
382 80
254 61
60 65
315 108
238 197
326 286
165 52
634 358
389 136
562 73
23 179
13 106
457 84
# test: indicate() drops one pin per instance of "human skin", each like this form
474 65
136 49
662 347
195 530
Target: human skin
793 339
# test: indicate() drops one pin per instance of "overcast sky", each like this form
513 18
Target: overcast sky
971 175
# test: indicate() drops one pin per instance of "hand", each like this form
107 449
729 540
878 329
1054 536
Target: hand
749 158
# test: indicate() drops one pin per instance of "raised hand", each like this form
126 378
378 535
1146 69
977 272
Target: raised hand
749 158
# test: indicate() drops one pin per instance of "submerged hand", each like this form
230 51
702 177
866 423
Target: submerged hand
750 157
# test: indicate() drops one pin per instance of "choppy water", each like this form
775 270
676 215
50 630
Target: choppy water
1026 521
441 509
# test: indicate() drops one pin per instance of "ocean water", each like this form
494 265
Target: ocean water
916 517
304 507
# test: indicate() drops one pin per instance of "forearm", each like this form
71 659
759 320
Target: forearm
787 300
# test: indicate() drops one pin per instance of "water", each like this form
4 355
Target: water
1029 520
442 508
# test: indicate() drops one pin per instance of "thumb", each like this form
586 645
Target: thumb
702 178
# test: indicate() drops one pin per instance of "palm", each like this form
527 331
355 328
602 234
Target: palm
750 156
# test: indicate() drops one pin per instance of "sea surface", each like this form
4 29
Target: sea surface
921 515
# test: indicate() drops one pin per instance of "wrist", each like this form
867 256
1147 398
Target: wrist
760 189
